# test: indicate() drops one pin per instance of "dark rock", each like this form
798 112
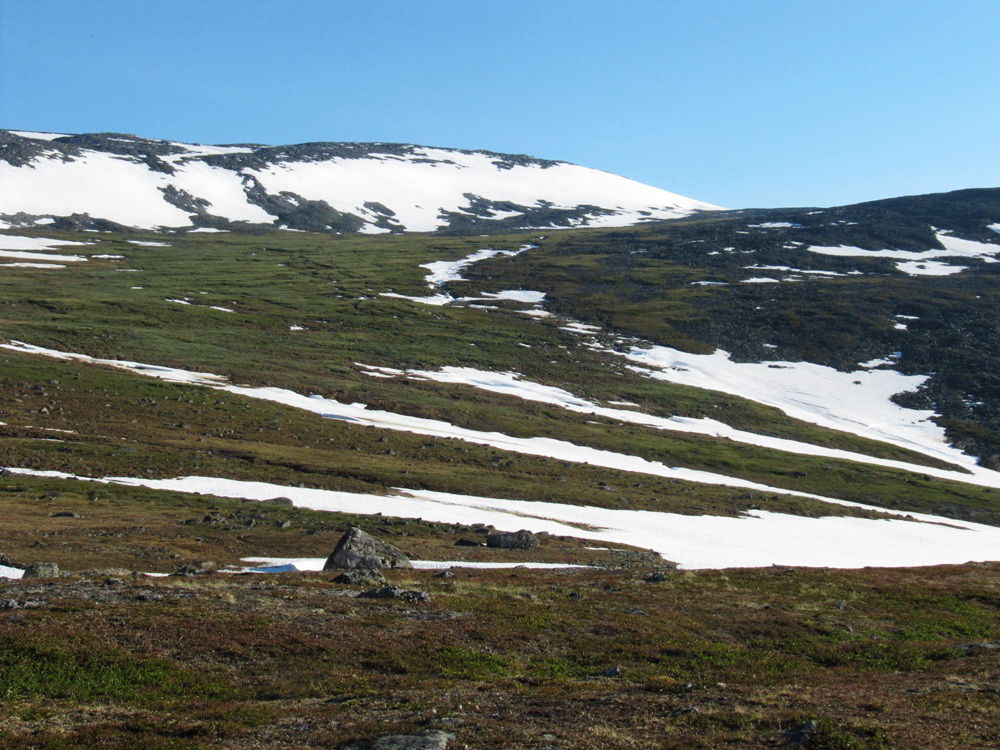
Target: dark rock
971 648
41 570
444 574
685 711
64 514
468 543
801 734
522 539
432 739
196 568
394 592
357 549
360 577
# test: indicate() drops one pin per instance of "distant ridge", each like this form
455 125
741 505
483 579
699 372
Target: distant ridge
121 181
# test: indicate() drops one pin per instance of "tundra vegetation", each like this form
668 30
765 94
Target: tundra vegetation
623 651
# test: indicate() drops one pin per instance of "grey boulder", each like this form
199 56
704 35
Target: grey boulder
42 570
522 539
357 549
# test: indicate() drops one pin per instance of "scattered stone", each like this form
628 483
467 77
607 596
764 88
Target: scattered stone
522 539
107 573
468 543
801 734
360 577
432 739
971 648
685 711
196 568
394 592
41 570
358 549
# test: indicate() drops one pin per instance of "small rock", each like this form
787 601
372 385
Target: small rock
522 539
658 576
357 549
107 573
41 570
468 543
971 648
360 577
614 671
684 711
801 734
279 501
444 574
196 568
432 739
64 514
394 592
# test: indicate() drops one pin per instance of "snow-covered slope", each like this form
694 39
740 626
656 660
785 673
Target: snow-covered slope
106 179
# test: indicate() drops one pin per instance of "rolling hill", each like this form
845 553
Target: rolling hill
752 430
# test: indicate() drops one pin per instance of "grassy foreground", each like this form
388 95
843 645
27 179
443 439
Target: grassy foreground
106 658
505 659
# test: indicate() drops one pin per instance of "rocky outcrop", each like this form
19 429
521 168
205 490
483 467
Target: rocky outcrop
42 570
522 539
357 549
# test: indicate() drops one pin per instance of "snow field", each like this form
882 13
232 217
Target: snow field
921 263
756 539
512 384
125 190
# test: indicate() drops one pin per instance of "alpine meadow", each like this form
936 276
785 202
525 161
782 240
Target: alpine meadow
380 445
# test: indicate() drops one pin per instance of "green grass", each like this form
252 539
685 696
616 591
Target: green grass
40 669
277 280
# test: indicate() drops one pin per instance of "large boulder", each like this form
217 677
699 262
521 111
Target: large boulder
357 549
522 539
42 570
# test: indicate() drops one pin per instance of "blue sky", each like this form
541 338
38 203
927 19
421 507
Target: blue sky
736 102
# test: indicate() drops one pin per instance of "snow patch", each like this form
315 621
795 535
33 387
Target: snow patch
855 402
758 538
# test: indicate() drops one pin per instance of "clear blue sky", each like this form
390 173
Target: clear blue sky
737 102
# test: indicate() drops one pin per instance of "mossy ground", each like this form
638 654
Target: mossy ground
506 659
330 286
501 658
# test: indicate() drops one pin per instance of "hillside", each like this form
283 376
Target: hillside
117 181
676 407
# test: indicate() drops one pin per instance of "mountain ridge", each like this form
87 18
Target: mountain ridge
121 181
